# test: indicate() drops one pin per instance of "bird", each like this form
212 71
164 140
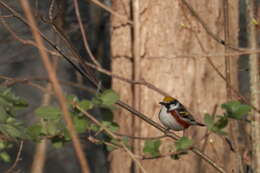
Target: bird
173 115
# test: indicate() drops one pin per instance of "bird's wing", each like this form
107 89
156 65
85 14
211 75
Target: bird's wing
183 112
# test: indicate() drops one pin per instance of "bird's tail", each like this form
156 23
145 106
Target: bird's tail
200 124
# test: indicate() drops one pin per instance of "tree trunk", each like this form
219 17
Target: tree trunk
173 42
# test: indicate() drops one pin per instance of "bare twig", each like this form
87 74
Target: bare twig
120 16
205 26
6 16
82 30
10 170
18 16
162 156
57 88
110 133
23 41
139 137
140 82
198 56
136 36
228 84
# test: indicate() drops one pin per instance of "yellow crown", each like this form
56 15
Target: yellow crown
168 99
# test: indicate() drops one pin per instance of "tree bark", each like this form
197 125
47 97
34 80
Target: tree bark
172 44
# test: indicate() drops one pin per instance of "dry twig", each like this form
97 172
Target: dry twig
57 88
11 169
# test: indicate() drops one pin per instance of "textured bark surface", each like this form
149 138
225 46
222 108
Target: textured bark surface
168 34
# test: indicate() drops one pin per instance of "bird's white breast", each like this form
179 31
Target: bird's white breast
168 120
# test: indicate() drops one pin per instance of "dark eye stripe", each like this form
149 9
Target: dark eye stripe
174 102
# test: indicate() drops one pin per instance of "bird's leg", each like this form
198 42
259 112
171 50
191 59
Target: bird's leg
167 130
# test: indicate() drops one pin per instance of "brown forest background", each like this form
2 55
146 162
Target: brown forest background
201 52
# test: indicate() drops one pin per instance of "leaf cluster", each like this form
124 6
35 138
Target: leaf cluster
11 128
53 126
232 110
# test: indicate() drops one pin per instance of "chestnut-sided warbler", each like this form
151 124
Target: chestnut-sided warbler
175 116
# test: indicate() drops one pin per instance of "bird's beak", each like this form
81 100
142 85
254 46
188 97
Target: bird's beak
162 103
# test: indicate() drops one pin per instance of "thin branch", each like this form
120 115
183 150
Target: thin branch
222 76
110 133
136 43
163 156
23 41
84 71
71 48
205 26
76 6
57 88
196 55
11 169
6 16
232 88
139 137
140 82
120 16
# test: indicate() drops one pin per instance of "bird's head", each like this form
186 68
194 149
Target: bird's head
170 103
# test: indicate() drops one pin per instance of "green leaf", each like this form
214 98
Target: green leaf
2 145
12 131
11 99
58 144
109 97
5 156
49 112
53 127
20 104
66 135
111 125
34 131
222 122
86 104
209 121
3 115
220 132
110 148
183 143
94 127
81 124
107 115
5 103
236 110
13 121
152 147
115 143
71 98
